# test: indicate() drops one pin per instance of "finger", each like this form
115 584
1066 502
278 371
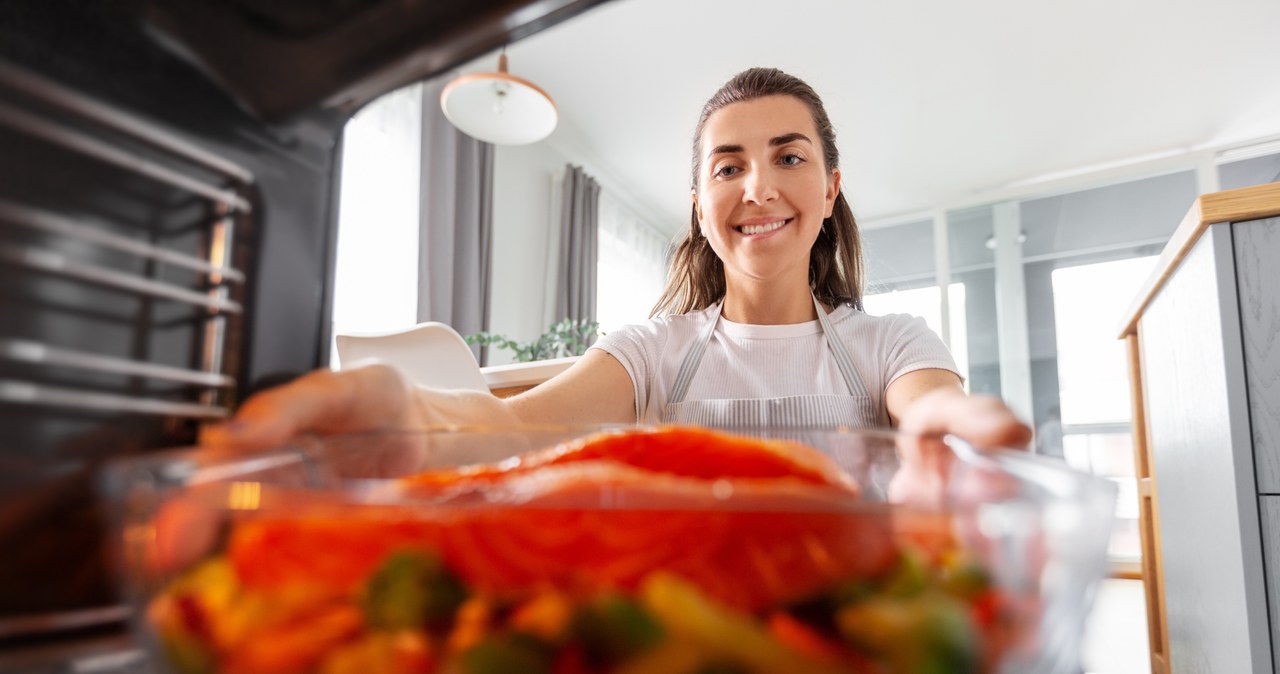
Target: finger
365 398
925 463
183 531
983 421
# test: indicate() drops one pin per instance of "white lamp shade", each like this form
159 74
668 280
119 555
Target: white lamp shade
499 108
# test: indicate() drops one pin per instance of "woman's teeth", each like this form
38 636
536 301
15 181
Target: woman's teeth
761 229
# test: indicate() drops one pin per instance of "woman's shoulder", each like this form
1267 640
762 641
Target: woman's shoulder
851 318
660 329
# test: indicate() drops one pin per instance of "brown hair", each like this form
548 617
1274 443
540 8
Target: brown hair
695 278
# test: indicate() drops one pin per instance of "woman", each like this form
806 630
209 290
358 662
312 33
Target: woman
765 326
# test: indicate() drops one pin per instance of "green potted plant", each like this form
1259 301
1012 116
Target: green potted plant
569 337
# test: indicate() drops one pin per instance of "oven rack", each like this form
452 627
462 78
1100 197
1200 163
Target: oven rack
44 241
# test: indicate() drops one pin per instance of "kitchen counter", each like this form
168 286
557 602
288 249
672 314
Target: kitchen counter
508 380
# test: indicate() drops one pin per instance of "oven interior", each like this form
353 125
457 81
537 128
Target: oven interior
168 211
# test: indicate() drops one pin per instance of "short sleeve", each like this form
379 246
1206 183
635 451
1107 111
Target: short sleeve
633 346
910 345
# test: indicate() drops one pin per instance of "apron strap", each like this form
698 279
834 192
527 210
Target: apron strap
841 353
693 358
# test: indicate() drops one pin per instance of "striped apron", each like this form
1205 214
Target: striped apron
854 410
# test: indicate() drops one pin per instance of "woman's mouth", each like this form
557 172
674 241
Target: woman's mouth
763 228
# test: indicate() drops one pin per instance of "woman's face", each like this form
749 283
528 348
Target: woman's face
763 188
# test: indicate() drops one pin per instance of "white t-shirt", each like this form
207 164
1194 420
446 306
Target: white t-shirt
772 361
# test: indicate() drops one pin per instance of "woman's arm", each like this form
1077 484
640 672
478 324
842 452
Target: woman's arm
596 389
932 402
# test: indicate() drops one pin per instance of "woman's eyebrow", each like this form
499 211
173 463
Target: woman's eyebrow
773 142
789 138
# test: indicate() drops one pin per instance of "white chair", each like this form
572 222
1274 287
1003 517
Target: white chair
432 354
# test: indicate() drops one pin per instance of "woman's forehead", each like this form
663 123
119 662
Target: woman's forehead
758 121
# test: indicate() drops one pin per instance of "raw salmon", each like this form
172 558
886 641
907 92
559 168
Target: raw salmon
752 523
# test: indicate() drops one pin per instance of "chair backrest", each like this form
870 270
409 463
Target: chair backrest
432 354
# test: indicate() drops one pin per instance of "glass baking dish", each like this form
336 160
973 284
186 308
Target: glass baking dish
621 550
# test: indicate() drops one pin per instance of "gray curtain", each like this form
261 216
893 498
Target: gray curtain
456 213
579 225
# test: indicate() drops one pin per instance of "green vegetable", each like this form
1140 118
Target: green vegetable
507 653
187 655
931 633
965 577
909 578
613 628
410 590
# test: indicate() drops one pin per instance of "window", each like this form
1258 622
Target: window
631 268
927 304
1088 303
376 275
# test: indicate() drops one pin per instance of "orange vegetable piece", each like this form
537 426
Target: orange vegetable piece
796 635
298 647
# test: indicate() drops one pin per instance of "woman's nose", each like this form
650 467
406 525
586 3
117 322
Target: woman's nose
759 187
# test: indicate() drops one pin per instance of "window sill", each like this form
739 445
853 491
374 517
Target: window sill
525 374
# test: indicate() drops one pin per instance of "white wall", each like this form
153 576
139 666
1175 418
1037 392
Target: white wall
521 224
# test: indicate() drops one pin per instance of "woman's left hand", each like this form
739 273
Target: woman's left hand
983 421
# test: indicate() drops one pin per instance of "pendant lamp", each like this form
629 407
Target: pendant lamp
499 108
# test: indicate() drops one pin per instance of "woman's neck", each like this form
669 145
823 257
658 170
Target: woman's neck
759 303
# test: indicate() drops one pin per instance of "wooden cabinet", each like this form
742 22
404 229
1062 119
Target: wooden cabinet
1204 346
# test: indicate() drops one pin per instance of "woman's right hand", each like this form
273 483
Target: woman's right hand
368 398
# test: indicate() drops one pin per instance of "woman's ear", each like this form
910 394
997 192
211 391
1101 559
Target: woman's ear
833 190
697 211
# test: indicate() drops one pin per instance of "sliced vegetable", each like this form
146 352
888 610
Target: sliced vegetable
401 652
547 615
909 577
298 647
187 654
963 576
613 628
672 656
471 624
507 653
412 589
721 667
930 633
802 638
685 612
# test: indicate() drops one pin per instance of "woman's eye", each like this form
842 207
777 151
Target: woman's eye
726 171
791 159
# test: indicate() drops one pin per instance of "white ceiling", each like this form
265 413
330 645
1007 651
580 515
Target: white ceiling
933 100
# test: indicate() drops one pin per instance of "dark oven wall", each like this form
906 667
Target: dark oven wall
163 251
84 311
